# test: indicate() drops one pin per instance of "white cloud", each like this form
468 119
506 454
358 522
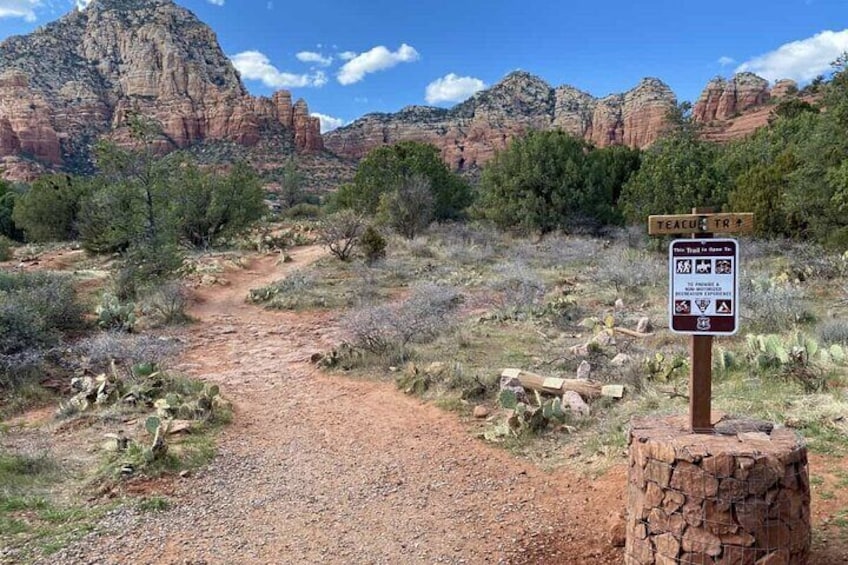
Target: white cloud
328 123
216 2
19 9
313 57
452 88
347 55
377 59
726 61
254 65
801 60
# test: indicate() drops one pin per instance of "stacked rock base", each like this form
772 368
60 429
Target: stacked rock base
739 496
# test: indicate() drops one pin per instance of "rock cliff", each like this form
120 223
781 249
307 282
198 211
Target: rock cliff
74 81
724 99
469 134
735 108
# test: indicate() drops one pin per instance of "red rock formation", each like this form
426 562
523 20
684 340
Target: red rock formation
78 78
784 88
469 134
723 99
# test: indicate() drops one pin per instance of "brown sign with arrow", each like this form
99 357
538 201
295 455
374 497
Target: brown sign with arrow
700 223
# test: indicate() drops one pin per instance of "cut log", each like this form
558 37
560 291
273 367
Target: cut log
552 385
632 333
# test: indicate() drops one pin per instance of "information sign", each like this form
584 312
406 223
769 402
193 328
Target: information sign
704 286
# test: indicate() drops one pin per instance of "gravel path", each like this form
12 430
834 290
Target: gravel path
323 469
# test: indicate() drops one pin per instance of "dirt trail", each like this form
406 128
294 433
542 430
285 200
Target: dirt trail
324 469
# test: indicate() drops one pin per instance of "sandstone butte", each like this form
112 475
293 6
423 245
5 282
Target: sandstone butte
470 133
74 80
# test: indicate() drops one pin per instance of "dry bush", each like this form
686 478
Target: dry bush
629 270
340 233
390 329
98 352
168 303
520 290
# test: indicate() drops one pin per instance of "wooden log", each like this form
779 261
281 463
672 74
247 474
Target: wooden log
553 385
632 333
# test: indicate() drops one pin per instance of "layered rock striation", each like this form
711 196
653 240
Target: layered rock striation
76 79
470 133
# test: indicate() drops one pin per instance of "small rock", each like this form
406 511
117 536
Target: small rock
584 370
580 350
603 339
575 403
619 304
481 411
316 357
621 360
644 326
185 473
617 529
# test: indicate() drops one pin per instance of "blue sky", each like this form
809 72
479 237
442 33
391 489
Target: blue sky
348 58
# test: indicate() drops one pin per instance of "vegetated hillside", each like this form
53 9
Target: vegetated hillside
470 133
75 80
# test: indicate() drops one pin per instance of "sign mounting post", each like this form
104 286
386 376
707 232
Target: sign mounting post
703 293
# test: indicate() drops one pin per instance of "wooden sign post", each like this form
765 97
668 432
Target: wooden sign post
705 302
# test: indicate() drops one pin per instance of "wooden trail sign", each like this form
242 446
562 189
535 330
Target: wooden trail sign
701 224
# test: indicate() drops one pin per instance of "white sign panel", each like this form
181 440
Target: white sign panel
704 286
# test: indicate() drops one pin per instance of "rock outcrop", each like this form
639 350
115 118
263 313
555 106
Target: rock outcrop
469 134
724 99
76 79
735 108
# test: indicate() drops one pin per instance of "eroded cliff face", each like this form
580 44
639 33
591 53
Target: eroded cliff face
724 99
470 133
76 79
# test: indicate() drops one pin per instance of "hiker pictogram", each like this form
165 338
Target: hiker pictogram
684 266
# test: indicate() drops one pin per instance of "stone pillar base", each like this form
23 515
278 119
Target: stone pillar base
740 496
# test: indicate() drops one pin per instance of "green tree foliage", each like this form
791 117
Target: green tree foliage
551 180
386 168
8 196
48 210
291 185
760 190
678 172
209 206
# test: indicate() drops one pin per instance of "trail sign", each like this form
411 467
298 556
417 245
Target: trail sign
704 286
700 224
703 293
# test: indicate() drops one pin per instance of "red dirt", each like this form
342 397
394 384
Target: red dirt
322 468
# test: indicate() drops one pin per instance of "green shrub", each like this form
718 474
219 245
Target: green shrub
303 211
373 245
48 210
35 309
6 253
